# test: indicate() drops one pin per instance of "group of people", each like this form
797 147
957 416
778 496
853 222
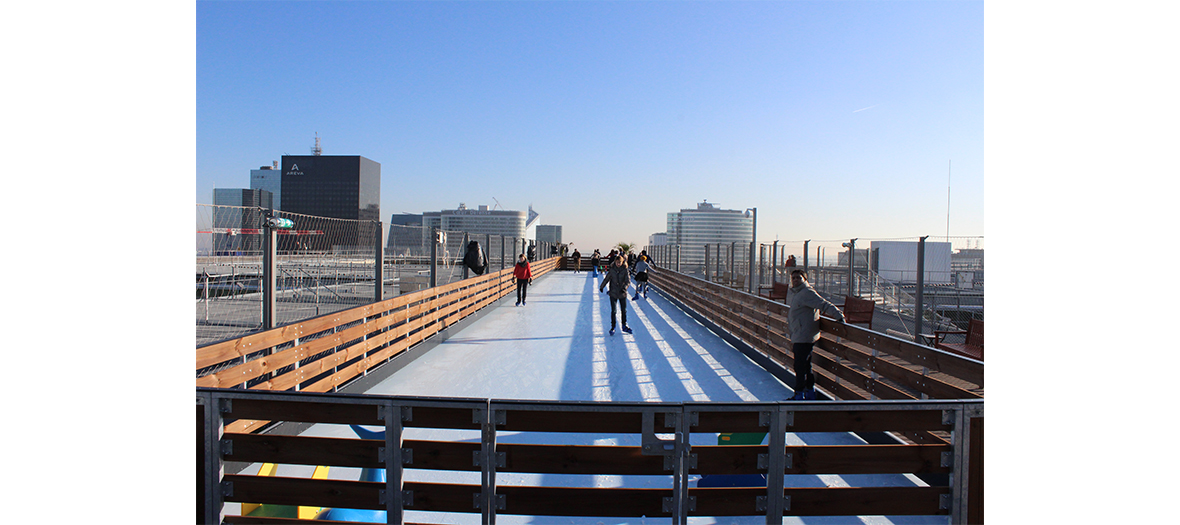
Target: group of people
805 304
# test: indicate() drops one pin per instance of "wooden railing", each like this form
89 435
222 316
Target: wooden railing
952 471
850 362
326 352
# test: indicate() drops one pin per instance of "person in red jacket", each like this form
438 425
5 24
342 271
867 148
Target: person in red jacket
524 275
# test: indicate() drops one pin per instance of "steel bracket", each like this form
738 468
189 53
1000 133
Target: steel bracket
501 502
227 447
227 489
947 459
407 498
501 458
944 501
670 504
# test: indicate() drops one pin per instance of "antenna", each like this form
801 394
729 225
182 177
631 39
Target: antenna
316 150
948 201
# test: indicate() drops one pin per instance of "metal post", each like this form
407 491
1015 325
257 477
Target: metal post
761 260
393 459
707 278
753 240
433 256
805 254
851 266
269 279
776 465
774 263
466 240
918 292
379 269
501 252
678 257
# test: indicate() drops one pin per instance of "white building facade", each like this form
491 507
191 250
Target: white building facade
708 224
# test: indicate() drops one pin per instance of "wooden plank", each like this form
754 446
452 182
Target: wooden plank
868 501
308 412
572 421
300 450
931 386
868 421
950 364
579 459
847 459
306 492
830 501
566 501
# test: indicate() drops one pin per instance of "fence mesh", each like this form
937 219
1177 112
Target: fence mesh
322 265
883 270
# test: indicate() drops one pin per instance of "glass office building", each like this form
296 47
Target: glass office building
337 186
692 229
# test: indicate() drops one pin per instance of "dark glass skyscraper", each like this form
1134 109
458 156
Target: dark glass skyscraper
338 186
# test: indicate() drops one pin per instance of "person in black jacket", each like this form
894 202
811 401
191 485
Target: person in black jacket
475 259
619 279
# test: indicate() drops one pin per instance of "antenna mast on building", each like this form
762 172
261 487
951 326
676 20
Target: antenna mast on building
316 150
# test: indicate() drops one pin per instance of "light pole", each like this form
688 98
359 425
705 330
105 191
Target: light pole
753 242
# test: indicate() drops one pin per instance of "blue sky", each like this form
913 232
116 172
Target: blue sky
834 119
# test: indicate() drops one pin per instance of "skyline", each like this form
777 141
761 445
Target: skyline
607 116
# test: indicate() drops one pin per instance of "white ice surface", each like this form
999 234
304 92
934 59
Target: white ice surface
557 347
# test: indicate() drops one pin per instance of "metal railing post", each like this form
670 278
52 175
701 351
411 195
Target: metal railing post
394 462
433 256
379 266
918 291
466 241
269 279
707 278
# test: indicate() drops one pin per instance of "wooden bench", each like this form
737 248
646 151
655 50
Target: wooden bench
857 310
776 291
973 345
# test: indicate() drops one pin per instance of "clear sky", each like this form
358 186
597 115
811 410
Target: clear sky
833 119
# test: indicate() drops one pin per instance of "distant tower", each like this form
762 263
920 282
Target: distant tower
316 150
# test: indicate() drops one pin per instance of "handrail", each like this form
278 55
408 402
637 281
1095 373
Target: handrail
849 361
326 352
952 471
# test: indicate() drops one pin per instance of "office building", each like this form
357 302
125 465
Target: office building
657 239
237 214
708 224
480 221
549 233
405 235
269 178
336 186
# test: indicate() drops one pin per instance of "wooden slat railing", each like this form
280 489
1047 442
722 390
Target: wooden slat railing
326 352
850 361
954 462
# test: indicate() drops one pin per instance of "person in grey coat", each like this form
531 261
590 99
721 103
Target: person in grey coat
803 320
619 279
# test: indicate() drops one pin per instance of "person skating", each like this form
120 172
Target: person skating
594 260
524 276
577 261
641 268
803 321
619 280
